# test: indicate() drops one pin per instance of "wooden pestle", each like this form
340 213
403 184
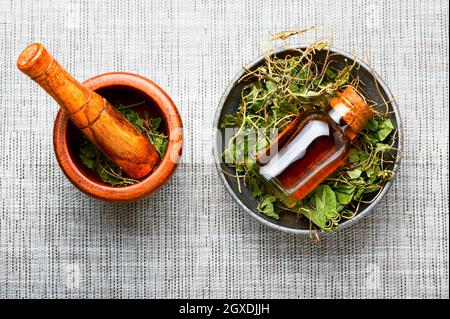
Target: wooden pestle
99 121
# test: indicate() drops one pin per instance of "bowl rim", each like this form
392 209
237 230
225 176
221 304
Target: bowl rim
361 214
167 166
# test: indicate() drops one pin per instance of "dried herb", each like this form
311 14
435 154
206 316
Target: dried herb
109 172
275 94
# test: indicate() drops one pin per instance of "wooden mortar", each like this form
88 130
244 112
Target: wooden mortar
65 128
99 121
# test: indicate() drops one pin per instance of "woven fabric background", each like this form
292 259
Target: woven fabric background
191 239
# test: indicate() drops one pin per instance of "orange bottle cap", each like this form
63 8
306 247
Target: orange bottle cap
351 108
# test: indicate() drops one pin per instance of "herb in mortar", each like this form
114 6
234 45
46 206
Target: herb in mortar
277 92
109 172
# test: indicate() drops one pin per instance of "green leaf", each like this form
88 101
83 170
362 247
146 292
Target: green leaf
276 79
371 189
256 105
372 137
288 108
330 74
344 199
130 114
303 74
240 169
372 171
162 147
89 151
229 121
255 187
134 118
325 199
385 128
156 122
87 161
379 130
343 75
320 101
158 143
359 192
355 173
354 156
345 188
339 206
372 125
372 174
254 99
271 86
266 207
357 156
102 173
325 206
294 88
344 193
139 124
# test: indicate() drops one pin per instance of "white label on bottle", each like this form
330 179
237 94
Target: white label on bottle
296 148
338 112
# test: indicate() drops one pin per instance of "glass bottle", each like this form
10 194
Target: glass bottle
313 146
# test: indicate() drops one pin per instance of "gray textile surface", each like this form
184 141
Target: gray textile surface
191 239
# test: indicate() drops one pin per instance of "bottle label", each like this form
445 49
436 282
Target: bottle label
296 150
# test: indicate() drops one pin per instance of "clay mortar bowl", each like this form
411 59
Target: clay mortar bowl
128 89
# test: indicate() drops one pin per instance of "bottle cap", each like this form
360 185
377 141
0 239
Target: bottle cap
350 109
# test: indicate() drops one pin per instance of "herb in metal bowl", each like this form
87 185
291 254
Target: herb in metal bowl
276 93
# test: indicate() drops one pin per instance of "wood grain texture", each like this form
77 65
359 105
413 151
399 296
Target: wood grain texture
159 176
100 122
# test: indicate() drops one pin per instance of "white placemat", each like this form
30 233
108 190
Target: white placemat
191 239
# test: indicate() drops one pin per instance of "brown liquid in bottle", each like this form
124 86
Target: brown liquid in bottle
312 147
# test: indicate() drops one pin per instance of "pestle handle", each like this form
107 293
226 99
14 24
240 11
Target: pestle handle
99 121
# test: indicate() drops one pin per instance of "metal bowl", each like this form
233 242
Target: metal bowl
229 104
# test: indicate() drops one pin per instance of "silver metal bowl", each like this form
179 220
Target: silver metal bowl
229 104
